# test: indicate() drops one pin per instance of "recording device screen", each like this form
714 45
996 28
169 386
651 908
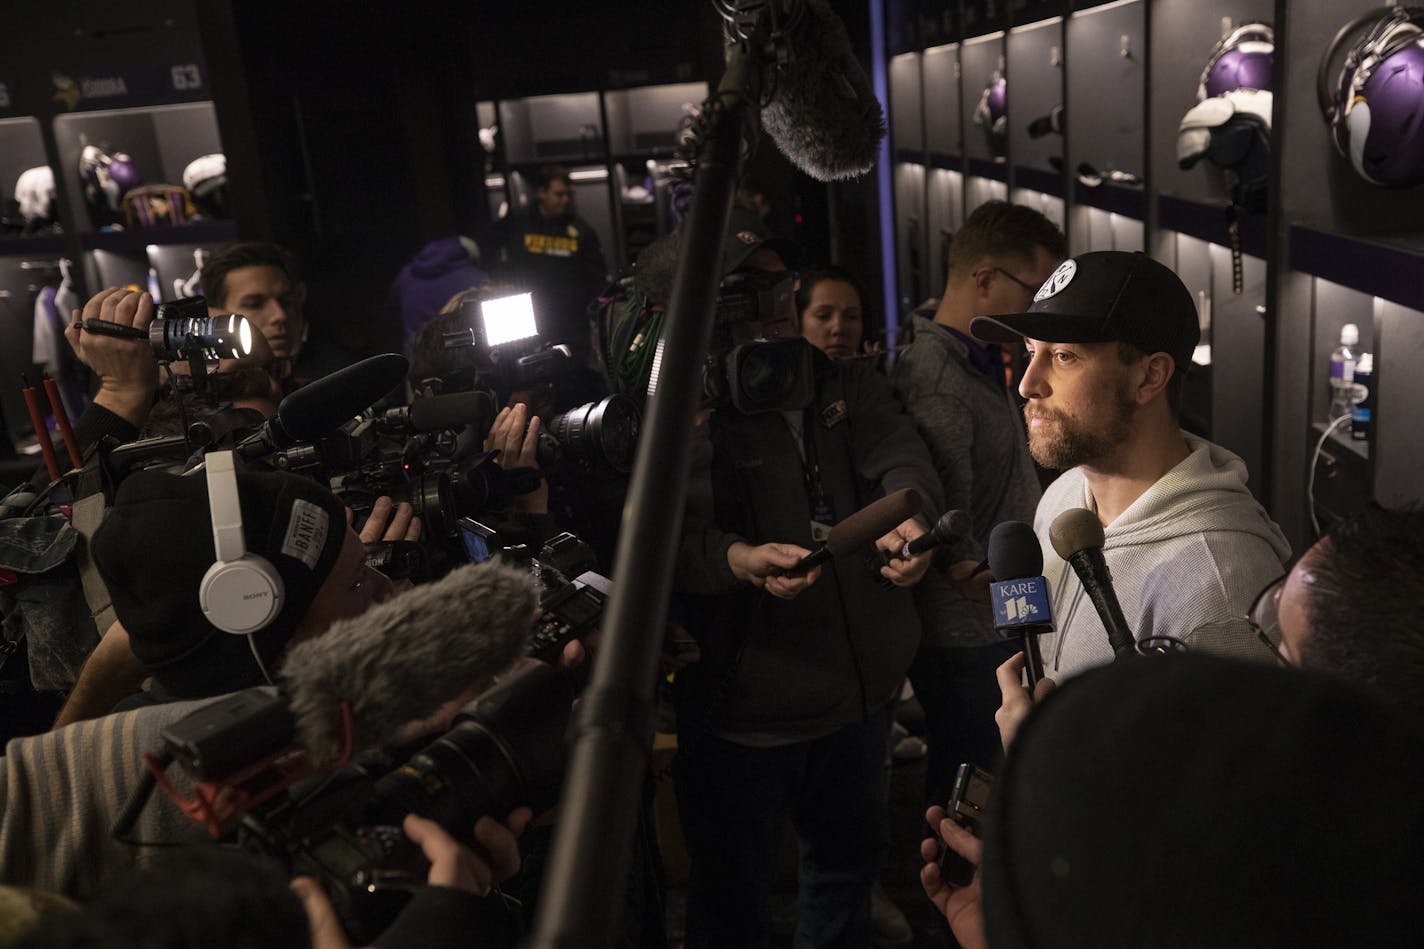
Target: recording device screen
476 538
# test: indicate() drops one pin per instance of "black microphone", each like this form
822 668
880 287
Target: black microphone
1019 591
441 412
952 525
823 113
1077 536
319 408
398 662
861 529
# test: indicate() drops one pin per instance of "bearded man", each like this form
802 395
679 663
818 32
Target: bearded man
1110 337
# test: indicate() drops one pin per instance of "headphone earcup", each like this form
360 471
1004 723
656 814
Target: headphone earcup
241 596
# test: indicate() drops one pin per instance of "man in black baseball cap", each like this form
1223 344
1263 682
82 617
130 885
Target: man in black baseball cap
1110 337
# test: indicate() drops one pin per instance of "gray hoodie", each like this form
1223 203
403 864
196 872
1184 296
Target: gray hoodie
1187 558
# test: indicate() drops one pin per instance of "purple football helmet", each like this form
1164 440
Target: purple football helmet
1242 60
106 174
992 110
1376 106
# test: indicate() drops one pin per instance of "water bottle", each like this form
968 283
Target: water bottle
1360 415
1342 372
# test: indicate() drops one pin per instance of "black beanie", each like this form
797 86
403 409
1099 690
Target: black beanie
156 543
1186 801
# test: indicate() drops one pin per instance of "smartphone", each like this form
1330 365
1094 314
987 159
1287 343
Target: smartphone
967 803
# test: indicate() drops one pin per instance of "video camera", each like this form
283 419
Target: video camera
571 594
251 786
757 375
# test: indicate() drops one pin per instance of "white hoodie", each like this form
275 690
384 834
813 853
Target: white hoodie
1187 558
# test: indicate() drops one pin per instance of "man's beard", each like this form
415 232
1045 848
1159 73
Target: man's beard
1068 442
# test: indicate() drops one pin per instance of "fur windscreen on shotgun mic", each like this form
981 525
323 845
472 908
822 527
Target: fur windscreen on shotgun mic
398 662
1077 535
823 114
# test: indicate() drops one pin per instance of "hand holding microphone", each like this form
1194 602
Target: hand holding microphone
798 568
775 568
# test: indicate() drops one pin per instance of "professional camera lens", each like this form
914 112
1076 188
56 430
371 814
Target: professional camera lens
770 374
505 751
433 498
599 432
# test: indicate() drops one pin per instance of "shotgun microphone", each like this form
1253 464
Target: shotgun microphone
861 529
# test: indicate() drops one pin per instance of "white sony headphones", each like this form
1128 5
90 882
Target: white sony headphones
242 592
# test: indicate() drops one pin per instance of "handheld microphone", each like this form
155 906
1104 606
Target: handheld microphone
952 525
441 412
861 529
1077 536
398 662
321 407
823 113
1019 591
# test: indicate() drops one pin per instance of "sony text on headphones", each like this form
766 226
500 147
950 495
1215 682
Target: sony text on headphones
242 592
1375 105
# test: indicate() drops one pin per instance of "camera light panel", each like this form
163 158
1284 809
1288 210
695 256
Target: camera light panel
507 319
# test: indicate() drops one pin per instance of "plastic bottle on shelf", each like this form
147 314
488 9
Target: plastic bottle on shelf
1342 372
1360 413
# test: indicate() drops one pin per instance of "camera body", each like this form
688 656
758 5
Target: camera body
572 595
504 750
745 371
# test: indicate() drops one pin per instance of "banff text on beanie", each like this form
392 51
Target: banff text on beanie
157 542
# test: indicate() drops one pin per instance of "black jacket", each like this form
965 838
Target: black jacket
839 650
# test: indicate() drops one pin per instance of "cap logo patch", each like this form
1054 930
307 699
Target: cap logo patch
748 237
1057 281
306 533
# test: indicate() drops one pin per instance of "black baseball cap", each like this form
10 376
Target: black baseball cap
747 232
1102 297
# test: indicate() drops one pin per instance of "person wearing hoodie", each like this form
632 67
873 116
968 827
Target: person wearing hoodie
441 270
1110 336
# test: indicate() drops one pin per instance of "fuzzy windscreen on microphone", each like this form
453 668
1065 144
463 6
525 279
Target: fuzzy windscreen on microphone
400 661
1076 529
823 114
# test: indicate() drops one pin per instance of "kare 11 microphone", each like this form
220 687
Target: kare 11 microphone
398 662
321 407
1077 535
861 529
823 114
1019 591
952 526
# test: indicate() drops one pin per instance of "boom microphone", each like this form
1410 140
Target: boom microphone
862 529
1077 536
1019 591
823 113
951 526
320 407
398 662
441 412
